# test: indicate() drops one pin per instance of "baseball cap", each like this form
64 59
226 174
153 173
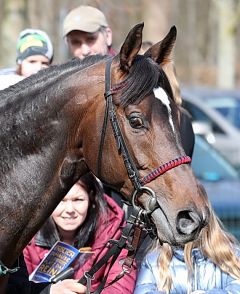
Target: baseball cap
33 42
84 18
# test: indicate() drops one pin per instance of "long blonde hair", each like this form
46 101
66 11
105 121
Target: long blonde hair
214 242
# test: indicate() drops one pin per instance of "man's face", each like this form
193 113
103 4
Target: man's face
82 44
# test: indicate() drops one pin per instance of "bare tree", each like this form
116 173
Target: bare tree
208 31
13 20
228 17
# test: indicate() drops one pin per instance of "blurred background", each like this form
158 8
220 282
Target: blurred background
207 59
208 31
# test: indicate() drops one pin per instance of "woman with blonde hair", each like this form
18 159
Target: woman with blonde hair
208 265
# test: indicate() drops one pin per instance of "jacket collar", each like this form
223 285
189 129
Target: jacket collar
197 254
43 239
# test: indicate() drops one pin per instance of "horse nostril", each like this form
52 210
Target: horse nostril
188 222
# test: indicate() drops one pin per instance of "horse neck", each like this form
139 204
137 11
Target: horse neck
37 136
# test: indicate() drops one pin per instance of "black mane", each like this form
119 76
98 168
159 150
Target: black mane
45 78
144 76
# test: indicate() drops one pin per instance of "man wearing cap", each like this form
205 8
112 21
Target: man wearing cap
87 32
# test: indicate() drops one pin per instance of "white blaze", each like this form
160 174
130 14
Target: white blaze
162 95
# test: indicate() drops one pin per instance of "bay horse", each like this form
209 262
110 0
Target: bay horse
51 134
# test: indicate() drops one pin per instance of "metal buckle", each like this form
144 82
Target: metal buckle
139 192
89 281
126 269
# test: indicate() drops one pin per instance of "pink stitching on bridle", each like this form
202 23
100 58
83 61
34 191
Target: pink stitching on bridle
165 167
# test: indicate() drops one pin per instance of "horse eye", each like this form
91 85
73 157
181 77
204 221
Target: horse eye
136 122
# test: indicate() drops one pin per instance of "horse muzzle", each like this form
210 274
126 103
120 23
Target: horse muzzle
188 222
179 229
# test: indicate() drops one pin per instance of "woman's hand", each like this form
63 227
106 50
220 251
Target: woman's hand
68 286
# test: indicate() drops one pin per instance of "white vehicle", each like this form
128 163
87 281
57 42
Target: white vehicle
209 123
221 181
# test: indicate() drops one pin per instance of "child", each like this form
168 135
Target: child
34 52
208 265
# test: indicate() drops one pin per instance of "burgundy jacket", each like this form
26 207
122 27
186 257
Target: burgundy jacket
108 229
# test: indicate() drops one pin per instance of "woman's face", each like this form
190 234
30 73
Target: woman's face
33 64
71 212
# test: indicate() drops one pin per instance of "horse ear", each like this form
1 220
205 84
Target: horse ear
161 52
131 47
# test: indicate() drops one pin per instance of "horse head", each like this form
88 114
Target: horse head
148 159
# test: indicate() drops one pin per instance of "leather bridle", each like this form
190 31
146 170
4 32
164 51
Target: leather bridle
139 219
132 171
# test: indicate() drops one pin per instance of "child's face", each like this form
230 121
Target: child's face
33 64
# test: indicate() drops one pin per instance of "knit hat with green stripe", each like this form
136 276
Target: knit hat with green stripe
33 42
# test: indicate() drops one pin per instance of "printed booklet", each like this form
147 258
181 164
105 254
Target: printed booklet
60 257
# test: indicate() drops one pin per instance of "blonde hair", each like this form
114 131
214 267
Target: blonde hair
171 73
208 242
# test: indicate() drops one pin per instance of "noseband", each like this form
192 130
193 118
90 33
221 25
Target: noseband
131 168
